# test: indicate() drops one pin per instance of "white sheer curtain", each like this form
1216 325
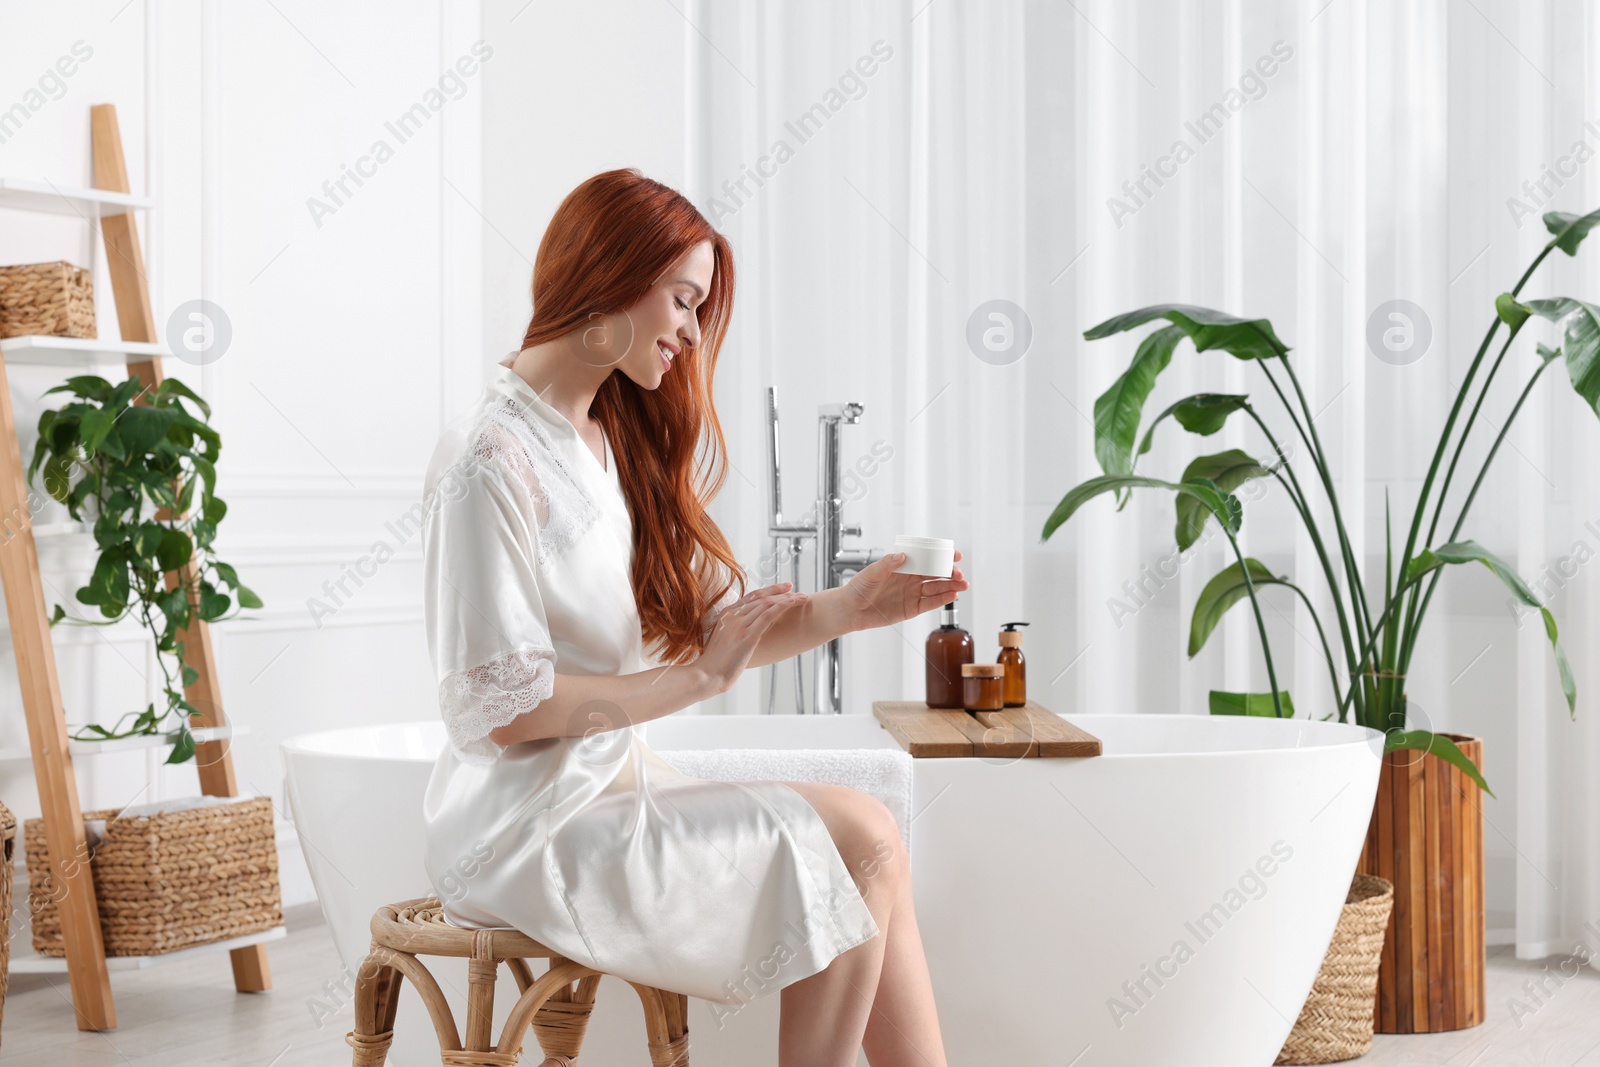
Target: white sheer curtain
985 158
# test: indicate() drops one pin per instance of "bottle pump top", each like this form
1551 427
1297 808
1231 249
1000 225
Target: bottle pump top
1010 636
947 615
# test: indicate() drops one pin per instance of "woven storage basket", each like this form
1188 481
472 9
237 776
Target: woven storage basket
53 299
168 880
1336 1022
8 839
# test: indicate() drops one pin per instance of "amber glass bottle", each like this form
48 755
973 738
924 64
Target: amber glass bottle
948 648
1015 686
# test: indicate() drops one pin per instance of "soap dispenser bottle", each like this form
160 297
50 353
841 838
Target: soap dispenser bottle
1014 687
948 648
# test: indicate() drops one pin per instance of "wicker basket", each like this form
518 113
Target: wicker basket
167 880
8 839
1336 1022
53 299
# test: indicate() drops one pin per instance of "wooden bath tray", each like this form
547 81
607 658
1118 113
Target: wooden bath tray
1031 730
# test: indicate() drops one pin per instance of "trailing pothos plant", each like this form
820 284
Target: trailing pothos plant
1376 646
140 465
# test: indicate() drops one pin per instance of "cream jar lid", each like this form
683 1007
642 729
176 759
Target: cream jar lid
983 670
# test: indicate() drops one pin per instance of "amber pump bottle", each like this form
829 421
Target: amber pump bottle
948 648
1014 688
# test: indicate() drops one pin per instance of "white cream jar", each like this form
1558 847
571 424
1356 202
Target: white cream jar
934 557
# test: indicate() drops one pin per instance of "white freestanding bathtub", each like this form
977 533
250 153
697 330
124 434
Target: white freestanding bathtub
1166 903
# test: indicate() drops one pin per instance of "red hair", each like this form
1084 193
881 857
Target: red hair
612 238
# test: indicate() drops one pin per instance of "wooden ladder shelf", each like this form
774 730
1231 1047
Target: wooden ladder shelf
36 663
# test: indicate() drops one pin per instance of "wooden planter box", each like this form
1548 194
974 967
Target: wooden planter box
1426 837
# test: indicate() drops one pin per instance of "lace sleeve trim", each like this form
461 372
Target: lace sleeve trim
518 446
486 697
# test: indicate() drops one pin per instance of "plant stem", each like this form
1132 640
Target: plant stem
1352 576
1358 593
1261 623
1466 430
1327 652
1298 496
1466 506
1409 627
1415 617
1371 645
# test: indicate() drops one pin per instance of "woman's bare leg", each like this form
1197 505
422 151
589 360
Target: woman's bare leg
904 1028
878 995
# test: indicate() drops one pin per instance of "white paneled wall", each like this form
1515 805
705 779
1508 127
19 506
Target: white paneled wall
349 253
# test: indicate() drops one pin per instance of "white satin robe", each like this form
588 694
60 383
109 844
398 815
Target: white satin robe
595 845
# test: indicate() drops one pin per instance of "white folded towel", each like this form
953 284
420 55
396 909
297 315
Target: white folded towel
881 772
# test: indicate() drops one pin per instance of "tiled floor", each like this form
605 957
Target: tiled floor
186 1013
1561 1028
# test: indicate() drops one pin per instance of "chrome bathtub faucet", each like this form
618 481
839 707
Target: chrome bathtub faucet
824 525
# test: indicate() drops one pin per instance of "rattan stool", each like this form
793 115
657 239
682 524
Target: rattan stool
556 1004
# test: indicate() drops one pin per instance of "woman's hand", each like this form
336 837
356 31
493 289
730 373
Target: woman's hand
879 597
738 630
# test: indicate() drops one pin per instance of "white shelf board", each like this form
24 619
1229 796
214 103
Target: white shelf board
59 530
42 351
31 964
31 194
129 744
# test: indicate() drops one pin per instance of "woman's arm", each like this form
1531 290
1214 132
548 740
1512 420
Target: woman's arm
823 617
579 703
875 596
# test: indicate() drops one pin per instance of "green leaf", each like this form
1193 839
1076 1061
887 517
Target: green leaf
147 538
170 387
1547 353
110 579
159 486
94 427
175 550
1259 704
1581 344
1569 229
1203 414
190 676
58 477
1243 338
1511 313
1471 551
1118 410
247 599
186 495
88 386
208 472
1228 470
1223 505
215 508
1443 747
1222 593
111 445
183 748
141 426
214 605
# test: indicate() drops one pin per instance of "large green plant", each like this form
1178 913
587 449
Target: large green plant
1377 648
141 466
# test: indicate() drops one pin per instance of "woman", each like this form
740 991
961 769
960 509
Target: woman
566 532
